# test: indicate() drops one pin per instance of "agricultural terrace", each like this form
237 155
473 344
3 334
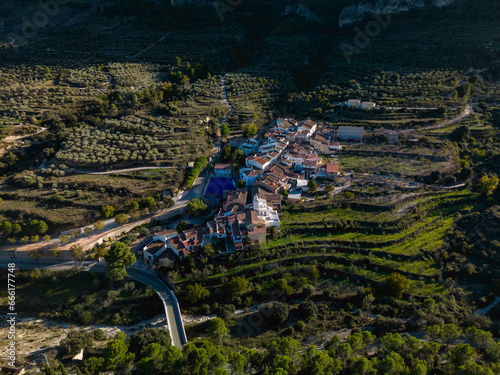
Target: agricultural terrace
254 96
68 201
337 250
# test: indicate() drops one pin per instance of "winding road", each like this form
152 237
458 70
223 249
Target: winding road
466 113
172 310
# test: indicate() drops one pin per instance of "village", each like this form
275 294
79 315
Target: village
278 168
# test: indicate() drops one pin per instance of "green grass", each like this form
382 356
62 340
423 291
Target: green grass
410 167
82 297
344 213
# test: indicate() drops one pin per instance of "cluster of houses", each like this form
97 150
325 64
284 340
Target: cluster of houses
289 156
286 158
240 222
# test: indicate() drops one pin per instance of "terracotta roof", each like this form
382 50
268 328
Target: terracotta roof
250 218
273 154
258 230
251 173
222 166
212 226
322 137
332 168
310 163
165 232
193 237
307 122
177 244
285 123
272 197
258 159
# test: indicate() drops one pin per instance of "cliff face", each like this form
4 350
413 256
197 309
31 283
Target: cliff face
302 11
297 9
202 3
348 15
355 13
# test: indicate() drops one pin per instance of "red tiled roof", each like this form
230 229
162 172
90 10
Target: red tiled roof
222 166
258 230
332 168
165 232
259 159
177 243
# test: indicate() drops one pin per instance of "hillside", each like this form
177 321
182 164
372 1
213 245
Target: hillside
390 267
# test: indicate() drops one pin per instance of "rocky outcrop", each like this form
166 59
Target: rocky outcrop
201 3
442 3
302 11
355 13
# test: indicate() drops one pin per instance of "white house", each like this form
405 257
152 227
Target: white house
306 129
249 146
157 245
249 175
294 196
301 185
222 170
285 124
153 250
295 159
269 145
367 105
268 214
260 162
353 103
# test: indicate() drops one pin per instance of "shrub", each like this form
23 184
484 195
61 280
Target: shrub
396 284
275 312
308 310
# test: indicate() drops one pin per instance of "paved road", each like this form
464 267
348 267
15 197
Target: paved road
180 203
172 310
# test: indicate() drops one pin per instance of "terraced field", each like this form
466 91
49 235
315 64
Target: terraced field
339 254
356 246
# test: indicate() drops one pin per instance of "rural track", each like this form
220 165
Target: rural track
14 138
89 241
225 100
80 171
466 113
